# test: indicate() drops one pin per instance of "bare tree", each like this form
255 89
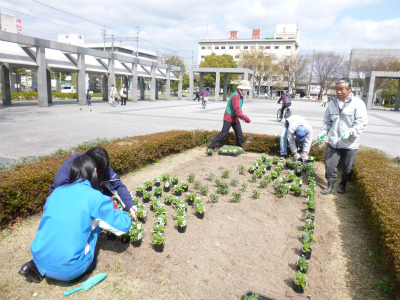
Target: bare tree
328 67
295 70
261 64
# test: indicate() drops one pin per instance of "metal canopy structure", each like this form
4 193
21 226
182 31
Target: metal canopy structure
369 85
218 71
19 51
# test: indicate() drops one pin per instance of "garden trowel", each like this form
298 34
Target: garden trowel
88 284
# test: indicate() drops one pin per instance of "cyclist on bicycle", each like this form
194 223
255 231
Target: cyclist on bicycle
285 98
296 128
204 98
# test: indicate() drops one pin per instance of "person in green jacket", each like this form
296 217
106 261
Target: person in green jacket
233 113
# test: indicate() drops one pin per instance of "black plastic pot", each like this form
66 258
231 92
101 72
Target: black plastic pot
139 194
166 189
298 288
269 168
200 215
260 297
146 200
298 174
182 229
297 194
311 210
185 189
251 171
157 195
143 220
209 153
178 193
157 183
307 255
149 188
158 247
137 243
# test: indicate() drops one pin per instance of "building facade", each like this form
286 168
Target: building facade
284 44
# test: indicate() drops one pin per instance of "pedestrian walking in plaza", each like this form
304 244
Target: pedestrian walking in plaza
113 96
123 94
88 97
324 100
233 112
344 121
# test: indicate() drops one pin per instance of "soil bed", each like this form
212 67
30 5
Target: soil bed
237 247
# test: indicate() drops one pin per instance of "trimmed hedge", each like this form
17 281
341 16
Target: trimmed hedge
23 190
376 179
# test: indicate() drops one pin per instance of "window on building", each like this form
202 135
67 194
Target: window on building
209 47
202 56
216 47
203 48
261 47
252 47
246 47
237 47
222 47
237 56
267 47
288 47
230 47
276 47
274 78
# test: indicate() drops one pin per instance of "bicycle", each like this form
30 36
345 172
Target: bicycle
286 114
204 102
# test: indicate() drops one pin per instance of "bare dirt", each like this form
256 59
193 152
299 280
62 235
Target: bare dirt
237 247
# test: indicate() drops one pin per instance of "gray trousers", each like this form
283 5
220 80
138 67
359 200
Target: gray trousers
332 156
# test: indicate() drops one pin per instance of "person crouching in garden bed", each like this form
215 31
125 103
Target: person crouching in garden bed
64 246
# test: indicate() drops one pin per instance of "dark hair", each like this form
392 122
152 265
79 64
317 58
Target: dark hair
83 168
346 81
101 159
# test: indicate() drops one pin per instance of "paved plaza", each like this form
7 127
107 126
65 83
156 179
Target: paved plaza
29 130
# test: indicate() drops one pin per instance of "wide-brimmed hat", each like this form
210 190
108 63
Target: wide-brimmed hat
301 133
244 85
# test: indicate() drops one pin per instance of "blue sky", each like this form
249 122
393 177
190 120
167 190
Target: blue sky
174 27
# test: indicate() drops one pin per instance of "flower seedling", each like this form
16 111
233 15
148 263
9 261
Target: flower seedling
158 228
210 152
136 231
146 196
259 173
180 211
256 194
175 180
309 224
190 197
158 238
235 182
225 174
177 189
297 189
184 185
204 190
141 211
302 264
169 199
308 234
165 177
160 209
309 192
300 279
291 176
243 188
268 164
281 190
191 178
154 202
252 297
298 181
197 185
309 215
263 184
214 198
305 245
199 208
274 175
277 182
158 191
253 178
284 178
275 160
135 200
156 181
210 176
162 219
312 186
241 169
251 169
148 185
223 188
237 197
263 158
181 221
311 204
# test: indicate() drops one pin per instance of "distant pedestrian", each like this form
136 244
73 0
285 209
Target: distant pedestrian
113 96
88 97
285 98
123 94
197 96
344 121
324 100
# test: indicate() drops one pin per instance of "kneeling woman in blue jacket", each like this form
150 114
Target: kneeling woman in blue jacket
72 219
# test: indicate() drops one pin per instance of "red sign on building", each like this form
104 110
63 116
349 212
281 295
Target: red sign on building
19 26
256 34
233 35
